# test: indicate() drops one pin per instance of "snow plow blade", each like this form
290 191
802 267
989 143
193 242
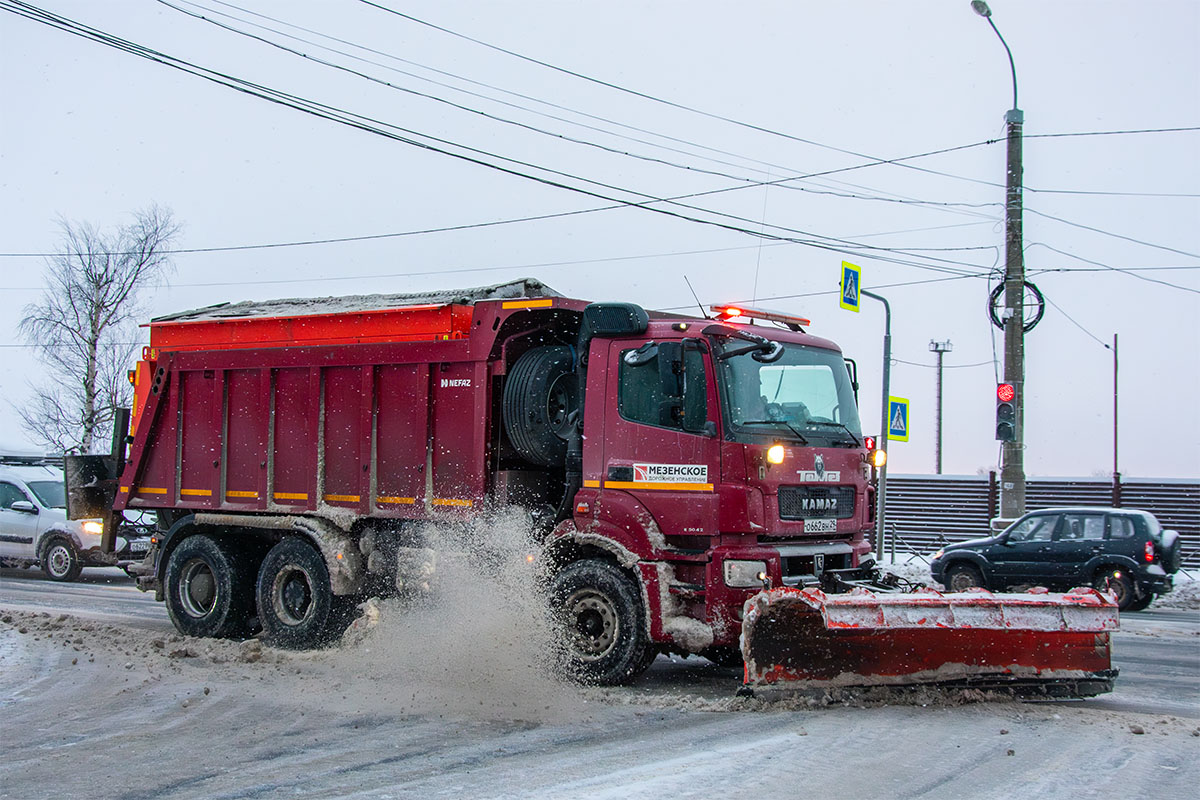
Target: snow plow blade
1033 644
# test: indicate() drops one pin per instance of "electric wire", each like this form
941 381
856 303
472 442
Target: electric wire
368 124
1110 233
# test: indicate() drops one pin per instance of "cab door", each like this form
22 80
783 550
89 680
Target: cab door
661 445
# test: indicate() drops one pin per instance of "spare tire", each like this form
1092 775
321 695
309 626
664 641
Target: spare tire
539 396
1172 556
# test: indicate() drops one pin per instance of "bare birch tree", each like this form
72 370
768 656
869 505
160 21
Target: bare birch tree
84 326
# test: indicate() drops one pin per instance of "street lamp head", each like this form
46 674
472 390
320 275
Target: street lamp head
981 8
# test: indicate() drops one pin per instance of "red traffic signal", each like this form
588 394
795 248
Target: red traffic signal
1005 392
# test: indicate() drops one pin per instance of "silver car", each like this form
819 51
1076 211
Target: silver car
34 529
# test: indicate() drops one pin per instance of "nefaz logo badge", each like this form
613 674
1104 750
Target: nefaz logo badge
452 383
670 473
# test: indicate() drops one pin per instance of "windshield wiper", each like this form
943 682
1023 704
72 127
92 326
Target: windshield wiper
849 432
789 425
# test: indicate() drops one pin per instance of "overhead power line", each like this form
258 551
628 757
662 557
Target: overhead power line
473 155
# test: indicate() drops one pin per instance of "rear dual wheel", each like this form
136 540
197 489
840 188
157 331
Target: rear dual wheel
295 600
210 589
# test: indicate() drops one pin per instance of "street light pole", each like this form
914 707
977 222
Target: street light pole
941 348
881 490
1012 454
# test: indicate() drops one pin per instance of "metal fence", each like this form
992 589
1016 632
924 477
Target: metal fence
926 511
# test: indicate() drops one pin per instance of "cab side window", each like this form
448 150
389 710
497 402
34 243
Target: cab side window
1034 529
10 494
640 396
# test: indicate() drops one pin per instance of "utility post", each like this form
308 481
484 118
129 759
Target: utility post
941 348
1012 453
883 426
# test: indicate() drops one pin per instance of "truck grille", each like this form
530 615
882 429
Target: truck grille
816 502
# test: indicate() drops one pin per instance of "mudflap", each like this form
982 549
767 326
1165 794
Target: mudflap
1036 644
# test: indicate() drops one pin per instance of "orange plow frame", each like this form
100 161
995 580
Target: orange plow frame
1032 643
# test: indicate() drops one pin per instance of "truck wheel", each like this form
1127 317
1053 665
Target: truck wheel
296 604
60 561
1112 579
210 589
539 395
961 577
599 616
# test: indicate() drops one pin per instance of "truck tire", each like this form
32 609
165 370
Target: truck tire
296 604
963 576
539 396
598 612
210 589
60 560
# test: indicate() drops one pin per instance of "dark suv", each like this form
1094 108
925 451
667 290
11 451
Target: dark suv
1124 551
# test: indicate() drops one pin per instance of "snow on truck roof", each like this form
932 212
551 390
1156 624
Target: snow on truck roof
303 306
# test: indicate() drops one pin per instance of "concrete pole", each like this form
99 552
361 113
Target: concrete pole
1012 454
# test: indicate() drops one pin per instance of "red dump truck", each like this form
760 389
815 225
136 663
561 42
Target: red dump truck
671 465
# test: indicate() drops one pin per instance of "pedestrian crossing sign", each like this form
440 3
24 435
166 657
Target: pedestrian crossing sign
851 278
898 419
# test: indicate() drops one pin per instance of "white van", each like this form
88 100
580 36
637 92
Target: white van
34 529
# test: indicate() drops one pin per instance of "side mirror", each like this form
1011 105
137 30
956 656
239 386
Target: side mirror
25 506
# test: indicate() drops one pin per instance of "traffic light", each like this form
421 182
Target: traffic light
1006 412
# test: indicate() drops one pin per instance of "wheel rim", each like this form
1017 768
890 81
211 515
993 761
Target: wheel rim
197 589
592 624
292 596
1113 583
559 402
961 581
59 560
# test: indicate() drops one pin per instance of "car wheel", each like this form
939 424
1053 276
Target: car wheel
961 577
209 589
599 616
1142 603
60 560
1117 582
296 604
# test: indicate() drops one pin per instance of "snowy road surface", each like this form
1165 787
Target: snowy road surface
100 698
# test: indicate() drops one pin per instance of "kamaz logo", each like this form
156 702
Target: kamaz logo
454 383
811 504
812 476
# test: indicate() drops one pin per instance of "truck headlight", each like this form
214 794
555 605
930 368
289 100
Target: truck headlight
744 574
93 527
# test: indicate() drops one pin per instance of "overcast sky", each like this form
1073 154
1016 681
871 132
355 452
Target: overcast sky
92 134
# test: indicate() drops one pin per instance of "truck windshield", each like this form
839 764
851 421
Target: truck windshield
802 394
52 494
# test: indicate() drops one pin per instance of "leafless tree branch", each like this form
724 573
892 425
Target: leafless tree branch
89 306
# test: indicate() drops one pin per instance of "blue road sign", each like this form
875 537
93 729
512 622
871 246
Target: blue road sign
851 280
898 419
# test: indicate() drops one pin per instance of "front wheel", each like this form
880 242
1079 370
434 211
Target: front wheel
61 561
296 604
1142 603
602 627
961 577
1116 581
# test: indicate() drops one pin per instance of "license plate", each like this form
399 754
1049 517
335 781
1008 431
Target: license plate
820 525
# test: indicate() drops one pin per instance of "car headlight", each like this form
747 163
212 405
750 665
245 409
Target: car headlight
93 527
744 574
938 554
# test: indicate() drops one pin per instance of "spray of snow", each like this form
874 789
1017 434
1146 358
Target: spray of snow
477 643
